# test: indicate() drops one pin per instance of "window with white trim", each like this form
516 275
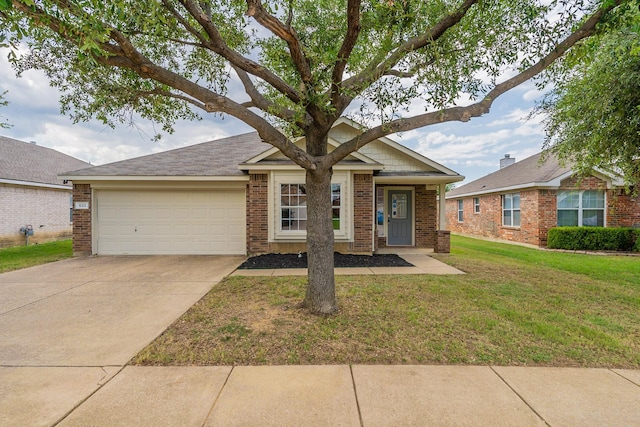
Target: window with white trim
293 207
460 210
476 204
581 208
511 210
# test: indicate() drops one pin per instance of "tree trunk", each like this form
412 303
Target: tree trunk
321 290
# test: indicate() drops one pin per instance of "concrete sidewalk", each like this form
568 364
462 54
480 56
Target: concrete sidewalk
356 396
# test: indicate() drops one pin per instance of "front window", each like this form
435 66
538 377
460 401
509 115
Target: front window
511 210
476 204
460 210
293 207
581 208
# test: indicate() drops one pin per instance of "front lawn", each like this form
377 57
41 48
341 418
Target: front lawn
18 257
516 306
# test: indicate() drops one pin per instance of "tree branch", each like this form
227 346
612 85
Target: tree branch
259 101
376 69
477 109
350 39
219 46
286 33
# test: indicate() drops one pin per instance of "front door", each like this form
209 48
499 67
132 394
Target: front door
399 218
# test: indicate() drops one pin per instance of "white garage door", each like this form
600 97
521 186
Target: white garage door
170 222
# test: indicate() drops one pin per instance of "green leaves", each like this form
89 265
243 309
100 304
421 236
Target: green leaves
593 116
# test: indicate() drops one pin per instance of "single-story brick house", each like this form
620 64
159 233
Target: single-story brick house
31 193
240 195
523 200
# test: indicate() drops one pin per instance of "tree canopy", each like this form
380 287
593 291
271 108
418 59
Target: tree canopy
593 117
290 68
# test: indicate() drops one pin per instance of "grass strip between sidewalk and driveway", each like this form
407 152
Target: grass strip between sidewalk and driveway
17 257
515 306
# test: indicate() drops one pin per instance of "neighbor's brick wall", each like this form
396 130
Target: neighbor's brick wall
82 220
538 212
23 205
623 210
257 218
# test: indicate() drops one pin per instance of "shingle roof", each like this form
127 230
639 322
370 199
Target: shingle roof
528 172
214 158
23 161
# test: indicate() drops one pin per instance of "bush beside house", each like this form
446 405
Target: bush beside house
594 238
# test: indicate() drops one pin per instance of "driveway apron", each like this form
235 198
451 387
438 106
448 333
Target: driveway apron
82 319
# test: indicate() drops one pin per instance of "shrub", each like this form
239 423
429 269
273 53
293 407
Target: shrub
594 238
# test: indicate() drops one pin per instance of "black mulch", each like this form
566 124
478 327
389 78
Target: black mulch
270 261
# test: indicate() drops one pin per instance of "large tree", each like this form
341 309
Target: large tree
593 116
302 65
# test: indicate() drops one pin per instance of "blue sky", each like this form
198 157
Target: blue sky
472 149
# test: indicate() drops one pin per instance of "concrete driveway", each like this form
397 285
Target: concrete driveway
69 326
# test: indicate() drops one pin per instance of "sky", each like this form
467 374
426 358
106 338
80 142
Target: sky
473 149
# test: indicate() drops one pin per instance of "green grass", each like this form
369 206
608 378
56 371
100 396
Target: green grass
515 306
18 257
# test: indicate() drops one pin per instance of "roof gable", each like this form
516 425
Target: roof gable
32 163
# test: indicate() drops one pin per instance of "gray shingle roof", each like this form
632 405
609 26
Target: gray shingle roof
526 172
23 161
214 158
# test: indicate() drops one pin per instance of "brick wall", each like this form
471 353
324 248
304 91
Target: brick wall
623 210
362 213
426 217
82 220
538 211
257 216
23 205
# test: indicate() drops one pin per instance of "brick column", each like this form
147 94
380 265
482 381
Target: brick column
257 215
363 213
82 220
426 217
443 245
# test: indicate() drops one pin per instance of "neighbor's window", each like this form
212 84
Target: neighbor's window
460 210
476 204
511 210
581 208
293 206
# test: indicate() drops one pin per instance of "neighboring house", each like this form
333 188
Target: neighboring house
240 195
31 193
523 200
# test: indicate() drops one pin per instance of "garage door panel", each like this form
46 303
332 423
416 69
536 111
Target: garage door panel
171 222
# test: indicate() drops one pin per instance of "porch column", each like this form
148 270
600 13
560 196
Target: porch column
442 222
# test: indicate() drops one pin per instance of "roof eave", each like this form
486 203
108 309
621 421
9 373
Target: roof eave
34 184
89 178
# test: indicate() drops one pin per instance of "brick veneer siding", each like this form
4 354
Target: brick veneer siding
362 213
426 217
257 217
538 212
82 220
24 205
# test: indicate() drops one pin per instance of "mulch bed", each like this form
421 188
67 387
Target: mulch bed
271 261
